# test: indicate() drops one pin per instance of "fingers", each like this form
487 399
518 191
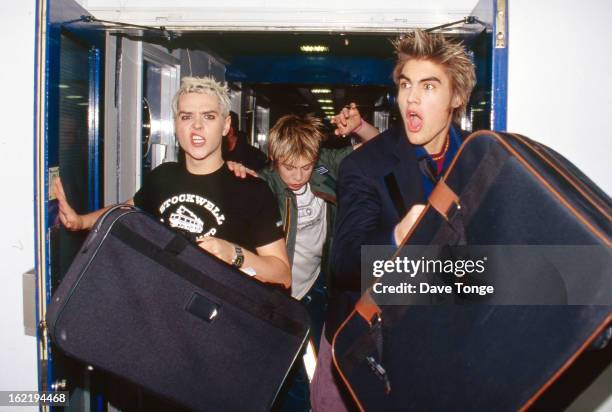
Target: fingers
62 218
239 169
70 221
412 216
67 216
405 225
346 120
59 189
416 210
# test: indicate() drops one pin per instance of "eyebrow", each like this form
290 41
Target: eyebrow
427 79
430 79
205 112
308 164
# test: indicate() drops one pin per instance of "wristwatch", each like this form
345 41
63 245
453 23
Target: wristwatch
239 258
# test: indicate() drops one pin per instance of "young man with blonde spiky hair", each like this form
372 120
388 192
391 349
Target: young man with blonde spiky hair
234 219
382 186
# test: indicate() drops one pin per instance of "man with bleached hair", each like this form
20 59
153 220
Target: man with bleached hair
233 218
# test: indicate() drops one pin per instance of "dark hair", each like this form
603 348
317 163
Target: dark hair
235 122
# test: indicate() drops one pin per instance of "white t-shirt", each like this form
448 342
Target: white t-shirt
309 241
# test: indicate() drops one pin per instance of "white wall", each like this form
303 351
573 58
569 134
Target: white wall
560 87
17 351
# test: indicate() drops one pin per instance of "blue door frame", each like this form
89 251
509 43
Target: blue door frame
495 14
57 18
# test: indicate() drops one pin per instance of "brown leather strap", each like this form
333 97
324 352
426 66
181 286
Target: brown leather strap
325 196
367 308
442 198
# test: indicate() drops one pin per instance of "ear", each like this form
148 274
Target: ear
227 125
456 101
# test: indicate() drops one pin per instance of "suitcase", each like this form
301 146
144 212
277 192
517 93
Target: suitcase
143 303
501 189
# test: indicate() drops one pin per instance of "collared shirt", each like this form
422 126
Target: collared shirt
428 166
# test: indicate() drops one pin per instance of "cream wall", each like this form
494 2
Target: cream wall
559 82
17 351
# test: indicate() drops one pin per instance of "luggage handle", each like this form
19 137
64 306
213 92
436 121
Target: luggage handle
443 198
93 234
446 202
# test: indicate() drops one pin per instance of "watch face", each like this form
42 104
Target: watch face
239 259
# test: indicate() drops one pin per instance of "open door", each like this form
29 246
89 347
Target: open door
68 144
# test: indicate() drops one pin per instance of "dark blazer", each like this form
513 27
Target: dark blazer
368 210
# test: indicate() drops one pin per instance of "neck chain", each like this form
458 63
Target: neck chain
304 188
438 156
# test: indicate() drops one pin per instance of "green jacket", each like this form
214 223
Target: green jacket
323 185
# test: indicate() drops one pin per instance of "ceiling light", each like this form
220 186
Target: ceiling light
325 101
327 107
313 48
320 91
74 96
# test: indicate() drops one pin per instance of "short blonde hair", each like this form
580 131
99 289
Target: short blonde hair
293 137
206 85
420 45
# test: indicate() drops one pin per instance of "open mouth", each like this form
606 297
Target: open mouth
413 121
197 140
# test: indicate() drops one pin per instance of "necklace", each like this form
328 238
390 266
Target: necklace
440 155
304 188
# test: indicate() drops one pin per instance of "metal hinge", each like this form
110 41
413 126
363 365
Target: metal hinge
500 25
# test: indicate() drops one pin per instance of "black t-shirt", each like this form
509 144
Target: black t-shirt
241 211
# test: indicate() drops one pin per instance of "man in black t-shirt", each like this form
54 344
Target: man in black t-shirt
216 204
235 219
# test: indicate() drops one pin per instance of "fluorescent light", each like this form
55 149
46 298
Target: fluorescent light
327 107
325 101
314 48
63 86
74 96
320 91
